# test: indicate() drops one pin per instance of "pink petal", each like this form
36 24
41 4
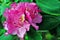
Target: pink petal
10 30
14 32
6 33
6 12
20 7
21 38
13 5
5 25
10 26
35 26
21 32
28 17
26 25
37 19
32 3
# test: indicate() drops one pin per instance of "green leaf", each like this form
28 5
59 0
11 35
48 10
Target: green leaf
3 37
34 35
6 1
26 0
49 36
23 1
49 22
1 25
3 19
16 0
8 37
58 30
26 37
51 7
2 31
3 6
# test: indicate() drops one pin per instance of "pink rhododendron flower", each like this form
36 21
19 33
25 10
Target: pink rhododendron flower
20 16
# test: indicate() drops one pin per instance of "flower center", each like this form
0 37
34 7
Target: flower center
22 18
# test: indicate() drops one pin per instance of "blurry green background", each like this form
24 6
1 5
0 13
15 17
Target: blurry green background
49 29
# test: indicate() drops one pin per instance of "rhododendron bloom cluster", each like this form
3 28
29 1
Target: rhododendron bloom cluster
20 16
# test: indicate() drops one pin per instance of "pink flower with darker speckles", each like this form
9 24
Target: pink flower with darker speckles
20 16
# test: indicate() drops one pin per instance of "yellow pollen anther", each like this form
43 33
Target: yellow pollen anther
22 18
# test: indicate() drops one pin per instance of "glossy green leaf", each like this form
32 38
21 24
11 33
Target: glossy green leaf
3 37
8 37
1 25
26 0
23 1
34 35
49 22
3 6
16 0
2 31
3 19
4 1
51 7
